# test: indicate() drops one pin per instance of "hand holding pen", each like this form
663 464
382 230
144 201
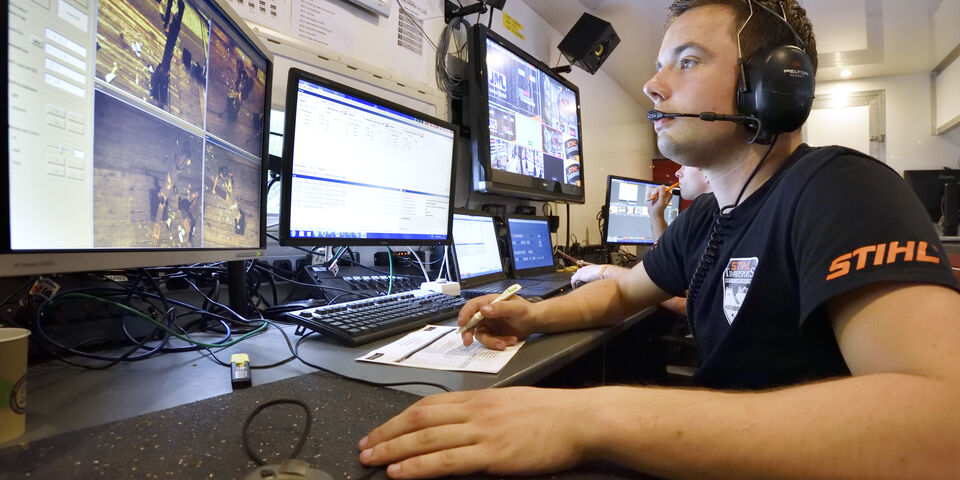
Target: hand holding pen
656 193
495 322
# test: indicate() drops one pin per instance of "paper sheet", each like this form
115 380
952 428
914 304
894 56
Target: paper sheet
440 348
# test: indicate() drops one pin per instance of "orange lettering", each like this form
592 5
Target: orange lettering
922 254
861 254
840 266
896 249
878 258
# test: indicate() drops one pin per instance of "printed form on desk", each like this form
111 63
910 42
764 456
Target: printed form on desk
440 348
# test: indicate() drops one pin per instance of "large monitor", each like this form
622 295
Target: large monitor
360 170
525 130
929 187
628 214
135 133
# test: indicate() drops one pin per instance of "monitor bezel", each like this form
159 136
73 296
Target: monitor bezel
606 210
513 259
35 262
486 179
289 135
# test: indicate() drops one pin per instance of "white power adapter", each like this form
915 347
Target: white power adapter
443 286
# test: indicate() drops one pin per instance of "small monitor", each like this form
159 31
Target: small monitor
475 245
929 187
136 135
531 248
525 135
628 215
360 170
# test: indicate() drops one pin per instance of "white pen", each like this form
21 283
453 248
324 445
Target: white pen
477 317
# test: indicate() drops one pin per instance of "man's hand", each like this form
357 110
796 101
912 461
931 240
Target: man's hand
500 431
659 201
592 273
504 323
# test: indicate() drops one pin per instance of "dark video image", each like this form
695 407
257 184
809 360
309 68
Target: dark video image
237 90
155 50
147 180
231 216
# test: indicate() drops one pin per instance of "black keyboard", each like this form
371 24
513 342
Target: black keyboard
362 321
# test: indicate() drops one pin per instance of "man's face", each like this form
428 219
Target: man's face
693 182
696 72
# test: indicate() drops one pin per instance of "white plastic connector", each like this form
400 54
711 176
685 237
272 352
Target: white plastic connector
444 287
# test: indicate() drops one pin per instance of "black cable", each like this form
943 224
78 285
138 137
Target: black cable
280 401
490 20
712 249
296 351
18 290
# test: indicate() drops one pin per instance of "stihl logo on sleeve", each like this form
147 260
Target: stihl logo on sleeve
881 254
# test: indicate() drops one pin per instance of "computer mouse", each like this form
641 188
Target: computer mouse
288 470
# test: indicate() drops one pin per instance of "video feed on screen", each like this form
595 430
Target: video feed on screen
152 131
534 129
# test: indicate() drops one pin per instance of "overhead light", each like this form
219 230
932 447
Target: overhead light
844 73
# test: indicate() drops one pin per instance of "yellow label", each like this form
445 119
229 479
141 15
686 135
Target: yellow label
513 25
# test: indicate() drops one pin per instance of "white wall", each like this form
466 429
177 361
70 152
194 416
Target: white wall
910 145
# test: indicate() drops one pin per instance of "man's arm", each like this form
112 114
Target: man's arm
657 206
600 303
897 417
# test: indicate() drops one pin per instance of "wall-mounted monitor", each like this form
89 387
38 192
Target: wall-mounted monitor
628 220
136 135
361 170
525 132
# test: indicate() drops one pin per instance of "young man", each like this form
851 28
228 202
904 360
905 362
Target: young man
842 352
693 183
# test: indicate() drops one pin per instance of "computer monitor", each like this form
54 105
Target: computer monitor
135 133
531 248
360 170
525 130
628 216
475 245
929 187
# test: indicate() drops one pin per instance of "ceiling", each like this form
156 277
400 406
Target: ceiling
870 38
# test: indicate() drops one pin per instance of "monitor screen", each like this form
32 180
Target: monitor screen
929 187
475 245
135 133
628 215
530 243
360 170
526 130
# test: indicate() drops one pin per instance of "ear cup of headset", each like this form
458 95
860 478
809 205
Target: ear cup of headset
779 90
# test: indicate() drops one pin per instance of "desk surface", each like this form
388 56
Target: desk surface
157 425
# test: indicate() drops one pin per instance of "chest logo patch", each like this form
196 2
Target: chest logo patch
736 281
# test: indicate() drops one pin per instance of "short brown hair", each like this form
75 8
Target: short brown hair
763 31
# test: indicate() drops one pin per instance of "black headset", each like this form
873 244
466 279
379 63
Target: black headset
776 84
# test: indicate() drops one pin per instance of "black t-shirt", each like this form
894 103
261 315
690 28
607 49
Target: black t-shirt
829 221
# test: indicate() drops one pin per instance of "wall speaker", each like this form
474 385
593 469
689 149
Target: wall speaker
589 43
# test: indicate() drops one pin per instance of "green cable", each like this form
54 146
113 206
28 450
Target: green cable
140 314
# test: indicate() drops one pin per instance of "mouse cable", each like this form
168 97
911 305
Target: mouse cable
280 401
296 352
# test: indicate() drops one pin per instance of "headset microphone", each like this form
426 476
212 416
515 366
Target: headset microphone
654 115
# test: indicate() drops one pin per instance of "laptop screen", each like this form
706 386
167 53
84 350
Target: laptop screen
530 241
475 245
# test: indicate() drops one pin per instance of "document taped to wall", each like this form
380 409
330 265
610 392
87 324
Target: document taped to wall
440 348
